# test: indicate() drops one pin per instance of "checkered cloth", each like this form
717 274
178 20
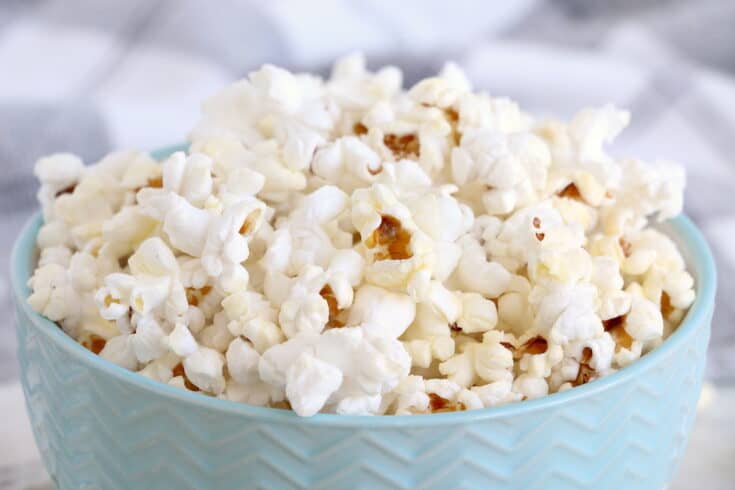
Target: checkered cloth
88 76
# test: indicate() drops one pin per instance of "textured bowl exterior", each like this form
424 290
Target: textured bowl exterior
101 427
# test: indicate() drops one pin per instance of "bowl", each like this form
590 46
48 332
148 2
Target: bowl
100 426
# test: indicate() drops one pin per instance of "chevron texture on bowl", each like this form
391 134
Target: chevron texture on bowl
101 427
96 431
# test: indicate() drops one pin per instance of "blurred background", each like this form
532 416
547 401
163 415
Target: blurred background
88 76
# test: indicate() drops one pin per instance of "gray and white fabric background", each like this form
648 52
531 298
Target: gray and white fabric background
88 76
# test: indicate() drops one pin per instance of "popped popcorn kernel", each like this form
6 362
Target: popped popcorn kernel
534 346
584 375
393 238
359 129
437 404
193 295
334 310
94 343
155 182
249 222
666 306
570 192
404 146
615 327
66 190
178 371
348 246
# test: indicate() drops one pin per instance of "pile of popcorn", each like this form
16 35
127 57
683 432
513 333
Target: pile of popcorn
347 246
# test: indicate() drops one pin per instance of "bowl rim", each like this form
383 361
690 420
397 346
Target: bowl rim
698 316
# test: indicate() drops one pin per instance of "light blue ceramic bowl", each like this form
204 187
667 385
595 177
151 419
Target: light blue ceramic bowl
99 426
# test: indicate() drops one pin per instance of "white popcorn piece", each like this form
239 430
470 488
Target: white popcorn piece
53 295
496 393
566 312
118 350
430 333
488 361
148 341
53 234
401 255
161 368
644 322
359 405
348 163
190 177
186 226
369 367
55 255
445 388
204 369
309 383
477 274
382 313
470 400
478 314
540 365
181 341
601 351
412 397
57 173
217 335
242 362
256 393
530 387
304 313
512 166
83 272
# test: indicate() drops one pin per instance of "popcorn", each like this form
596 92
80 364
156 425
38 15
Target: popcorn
189 177
597 353
566 312
478 314
412 397
148 340
53 296
488 361
242 361
185 225
497 393
512 167
58 174
644 321
309 383
118 350
204 369
348 163
529 387
540 364
181 341
161 369
381 313
477 274
369 367
216 336
353 87
347 246
401 255
306 313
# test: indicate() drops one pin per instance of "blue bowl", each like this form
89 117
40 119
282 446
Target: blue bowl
100 426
